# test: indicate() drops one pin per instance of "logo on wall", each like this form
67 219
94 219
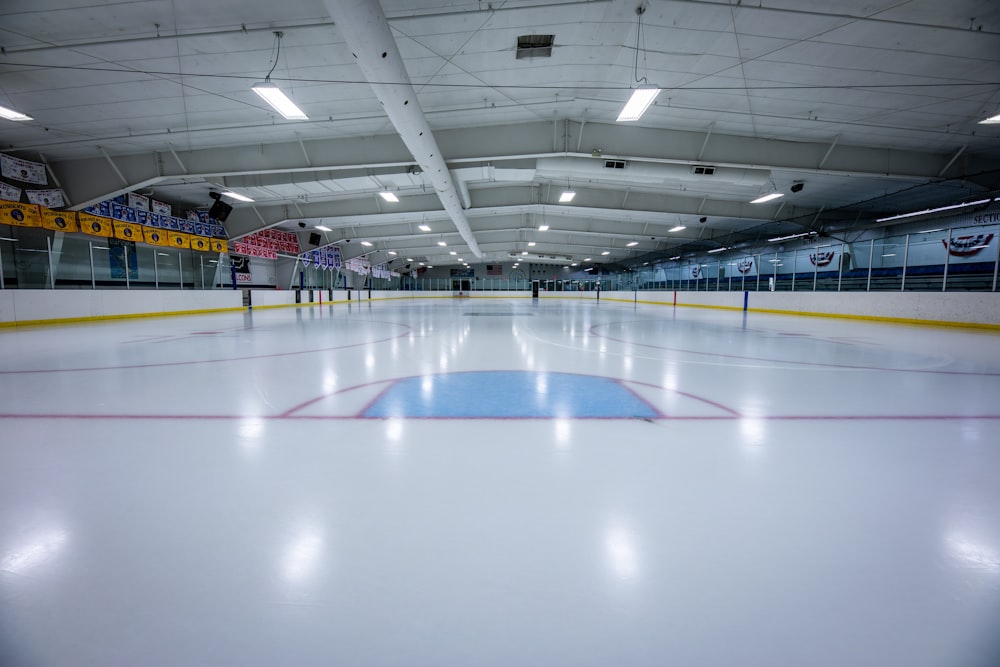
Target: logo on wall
696 272
17 215
744 265
966 246
821 258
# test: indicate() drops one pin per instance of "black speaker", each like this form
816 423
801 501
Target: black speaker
220 210
315 239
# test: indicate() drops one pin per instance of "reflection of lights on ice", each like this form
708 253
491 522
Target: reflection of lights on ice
302 556
427 387
752 432
394 430
622 553
40 549
562 433
972 554
251 428
541 384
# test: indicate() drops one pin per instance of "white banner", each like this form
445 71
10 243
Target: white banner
138 201
47 198
9 192
23 170
160 208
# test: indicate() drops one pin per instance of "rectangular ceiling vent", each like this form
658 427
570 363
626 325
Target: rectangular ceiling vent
702 170
614 164
534 46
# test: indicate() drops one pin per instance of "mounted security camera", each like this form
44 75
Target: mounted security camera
347 240
797 186
703 219
302 224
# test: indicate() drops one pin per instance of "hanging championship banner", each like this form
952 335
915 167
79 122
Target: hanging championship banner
200 243
138 202
60 221
9 192
128 231
337 263
154 236
160 208
23 170
95 225
179 240
46 198
20 215
219 245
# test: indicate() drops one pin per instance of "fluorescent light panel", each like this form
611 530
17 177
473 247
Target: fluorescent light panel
323 229
367 244
933 210
678 228
389 197
637 104
543 228
631 244
715 250
791 236
424 228
10 114
566 197
271 94
237 196
992 120
769 197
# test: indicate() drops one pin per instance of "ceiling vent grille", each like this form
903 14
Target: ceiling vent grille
534 46
702 170
614 164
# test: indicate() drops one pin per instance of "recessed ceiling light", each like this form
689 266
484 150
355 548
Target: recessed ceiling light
531 243
392 252
389 197
366 243
237 196
566 196
769 197
525 252
10 114
586 259
409 259
631 244
323 229
442 243
424 228
678 228
452 253
543 228
606 252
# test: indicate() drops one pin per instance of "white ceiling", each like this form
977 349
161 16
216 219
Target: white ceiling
872 104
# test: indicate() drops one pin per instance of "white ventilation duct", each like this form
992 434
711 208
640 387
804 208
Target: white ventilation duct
365 29
645 173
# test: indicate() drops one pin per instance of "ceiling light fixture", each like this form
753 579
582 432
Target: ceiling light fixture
367 244
531 243
452 252
442 243
323 229
271 94
715 250
791 236
934 210
543 228
768 197
392 252
678 228
566 197
606 252
237 196
642 98
632 244
10 114
424 228
992 120
389 197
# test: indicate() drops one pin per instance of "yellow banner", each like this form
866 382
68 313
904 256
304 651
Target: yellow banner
20 215
95 225
201 243
128 231
219 245
179 240
60 221
154 236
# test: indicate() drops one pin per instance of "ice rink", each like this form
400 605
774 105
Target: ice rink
499 482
